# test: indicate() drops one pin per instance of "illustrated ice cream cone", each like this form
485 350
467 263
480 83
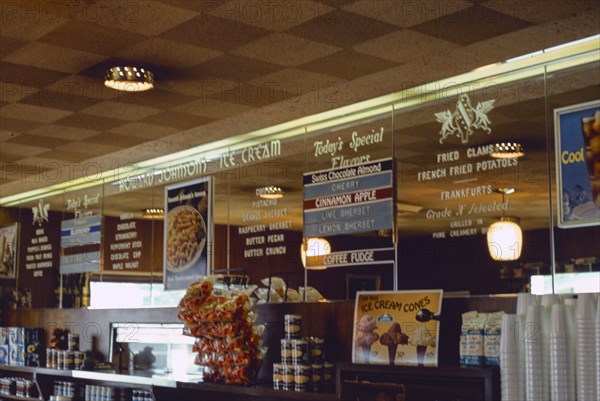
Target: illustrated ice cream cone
392 338
366 353
421 354
392 348
422 339
365 337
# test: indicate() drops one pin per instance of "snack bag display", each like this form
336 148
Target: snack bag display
228 342
491 339
471 338
397 327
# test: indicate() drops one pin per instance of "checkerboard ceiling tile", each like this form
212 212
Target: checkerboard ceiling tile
213 60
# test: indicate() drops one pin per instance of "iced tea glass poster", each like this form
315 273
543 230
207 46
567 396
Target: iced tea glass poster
577 132
397 327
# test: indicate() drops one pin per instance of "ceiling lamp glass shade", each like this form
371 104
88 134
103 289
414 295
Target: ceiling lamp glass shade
129 79
507 150
505 239
270 192
153 213
312 252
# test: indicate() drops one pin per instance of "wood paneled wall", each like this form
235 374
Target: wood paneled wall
332 321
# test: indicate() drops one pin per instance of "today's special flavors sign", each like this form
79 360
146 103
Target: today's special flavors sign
397 327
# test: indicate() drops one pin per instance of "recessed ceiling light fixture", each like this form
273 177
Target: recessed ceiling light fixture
269 192
153 213
129 79
507 150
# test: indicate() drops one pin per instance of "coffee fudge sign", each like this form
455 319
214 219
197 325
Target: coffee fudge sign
187 250
373 256
349 200
397 327
577 132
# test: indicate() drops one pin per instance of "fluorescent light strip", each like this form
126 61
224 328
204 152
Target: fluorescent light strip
580 52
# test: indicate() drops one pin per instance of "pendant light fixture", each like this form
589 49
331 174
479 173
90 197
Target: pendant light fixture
505 237
269 192
507 150
312 252
129 79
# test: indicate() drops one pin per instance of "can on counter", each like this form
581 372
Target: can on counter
288 376
315 353
286 350
73 341
58 389
293 326
69 360
49 357
302 377
328 374
299 352
278 376
30 389
60 359
78 357
317 378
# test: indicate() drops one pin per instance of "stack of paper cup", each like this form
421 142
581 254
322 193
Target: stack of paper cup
549 300
511 375
585 346
524 299
559 363
534 369
570 304
597 324
545 317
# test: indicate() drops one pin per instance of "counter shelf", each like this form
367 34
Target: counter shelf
425 383
14 397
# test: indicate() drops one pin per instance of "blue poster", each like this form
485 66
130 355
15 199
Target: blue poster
577 131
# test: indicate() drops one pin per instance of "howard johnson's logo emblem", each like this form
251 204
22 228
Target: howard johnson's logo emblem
465 119
40 213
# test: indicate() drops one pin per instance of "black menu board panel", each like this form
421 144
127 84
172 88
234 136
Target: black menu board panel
39 256
132 246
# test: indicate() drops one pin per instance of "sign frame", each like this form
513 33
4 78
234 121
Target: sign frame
568 132
7 232
412 321
201 264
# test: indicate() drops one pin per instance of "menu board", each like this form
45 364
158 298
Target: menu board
349 200
80 245
397 327
40 255
577 130
453 189
129 245
263 231
188 229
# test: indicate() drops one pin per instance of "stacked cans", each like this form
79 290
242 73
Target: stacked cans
141 395
302 366
100 393
70 359
66 389
18 386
